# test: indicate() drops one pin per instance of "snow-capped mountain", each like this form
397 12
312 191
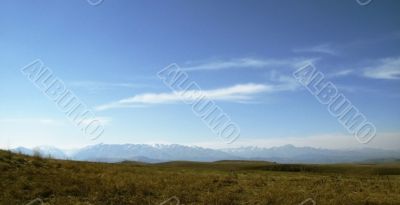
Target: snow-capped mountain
23 150
292 154
153 153
46 151
175 152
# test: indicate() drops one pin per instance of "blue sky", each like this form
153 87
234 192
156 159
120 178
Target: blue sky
113 51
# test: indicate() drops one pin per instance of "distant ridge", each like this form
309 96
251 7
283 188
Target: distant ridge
174 152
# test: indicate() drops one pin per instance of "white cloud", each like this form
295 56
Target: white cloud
323 48
388 68
283 82
236 93
341 73
247 63
96 85
355 88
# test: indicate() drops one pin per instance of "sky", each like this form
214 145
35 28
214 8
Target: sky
241 54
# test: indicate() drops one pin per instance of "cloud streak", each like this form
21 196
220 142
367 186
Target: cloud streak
101 86
253 63
238 93
387 69
323 48
340 73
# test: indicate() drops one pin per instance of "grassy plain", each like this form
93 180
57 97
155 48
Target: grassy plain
24 178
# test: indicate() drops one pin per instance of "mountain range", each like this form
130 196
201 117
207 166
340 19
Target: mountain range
174 152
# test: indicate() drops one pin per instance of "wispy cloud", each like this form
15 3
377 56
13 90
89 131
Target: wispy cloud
355 88
97 85
387 68
283 82
247 63
322 48
238 93
340 73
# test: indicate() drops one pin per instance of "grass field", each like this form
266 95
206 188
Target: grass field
24 179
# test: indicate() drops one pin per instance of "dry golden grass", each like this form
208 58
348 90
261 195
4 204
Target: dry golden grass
228 182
